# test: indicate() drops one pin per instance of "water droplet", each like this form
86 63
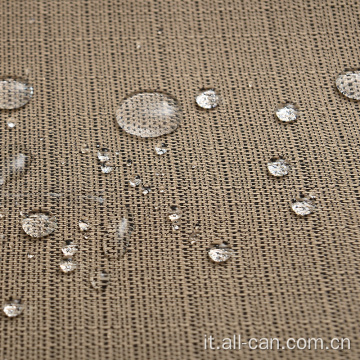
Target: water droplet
13 165
14 93
31 21
303 207
161 148
84 225
220 253
116 244
99 279
146 190
106 168
68 265
129 162
149 114
85 149
70 249
103 155
175 227
39 224
208 99
13 308
135 181
138 44
30 256
174 213
278 167
287 113
11 124
348 84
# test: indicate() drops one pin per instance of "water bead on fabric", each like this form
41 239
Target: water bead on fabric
149 114
14 93
207 99
39 224
348 83
287 113
278 167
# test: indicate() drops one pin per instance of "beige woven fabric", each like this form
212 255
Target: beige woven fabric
291 277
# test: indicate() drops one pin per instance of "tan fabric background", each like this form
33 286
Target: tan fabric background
292 277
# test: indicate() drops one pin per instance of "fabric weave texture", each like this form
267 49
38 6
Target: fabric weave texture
291 276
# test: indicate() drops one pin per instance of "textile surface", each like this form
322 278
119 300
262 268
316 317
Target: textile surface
291 276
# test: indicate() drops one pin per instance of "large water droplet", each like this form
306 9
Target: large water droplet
208 99
149 114
287 113
68 265
38 225
220 253
303 207
99 279
278 167
116 243
348 84
13 308
13 165
14 93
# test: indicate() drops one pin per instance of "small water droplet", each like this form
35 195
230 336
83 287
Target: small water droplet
278 167
106 168
149 114
30 256
348 84
220 253
68 265
175 227
85 149
129 162
99 279
14 93
31 21
208 99
174 213
103 155
116 244
135 181
138 44
146 190
303 207
84 225
287 113
70 249
11 124
13 308
39 224
161 148
13 165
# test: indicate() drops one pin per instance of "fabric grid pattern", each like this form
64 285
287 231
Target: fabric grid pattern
291 276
